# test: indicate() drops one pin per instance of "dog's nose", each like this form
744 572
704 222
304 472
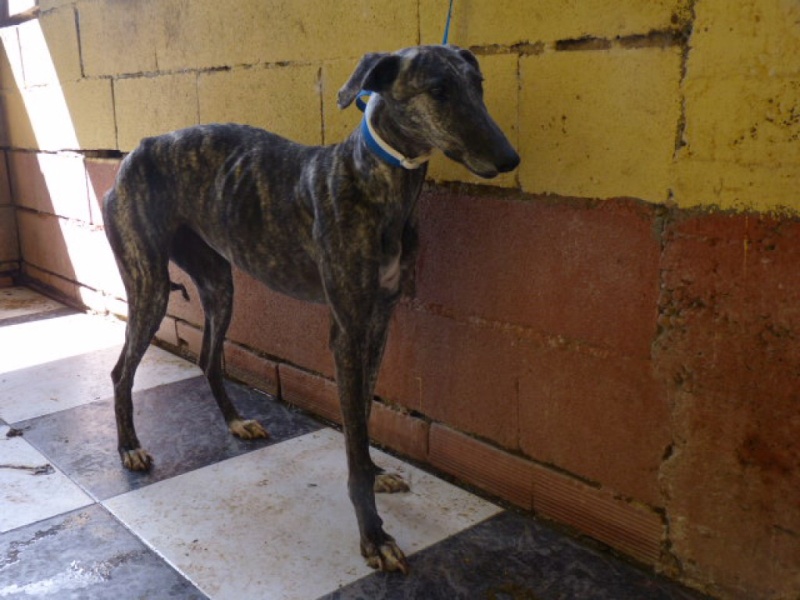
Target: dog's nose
508 162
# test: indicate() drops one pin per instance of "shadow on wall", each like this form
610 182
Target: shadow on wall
55 190
9 242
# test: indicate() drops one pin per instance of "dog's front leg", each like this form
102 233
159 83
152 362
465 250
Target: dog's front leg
385 483
351 350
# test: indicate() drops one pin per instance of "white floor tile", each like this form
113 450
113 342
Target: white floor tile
53 386
19 302
26 497
277 522
38 342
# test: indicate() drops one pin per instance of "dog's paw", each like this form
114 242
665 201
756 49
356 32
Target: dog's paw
136 460
247 430
389 483
386 557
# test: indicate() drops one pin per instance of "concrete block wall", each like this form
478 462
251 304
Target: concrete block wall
607 336
9 243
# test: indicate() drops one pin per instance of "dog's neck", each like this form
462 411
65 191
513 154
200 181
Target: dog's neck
387 140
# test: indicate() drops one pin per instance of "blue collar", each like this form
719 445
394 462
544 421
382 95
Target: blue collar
379 147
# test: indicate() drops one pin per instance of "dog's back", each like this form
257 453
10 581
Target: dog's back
220 178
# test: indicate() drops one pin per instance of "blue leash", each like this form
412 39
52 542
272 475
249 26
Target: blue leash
447 24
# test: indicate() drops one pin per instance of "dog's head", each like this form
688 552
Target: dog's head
435 93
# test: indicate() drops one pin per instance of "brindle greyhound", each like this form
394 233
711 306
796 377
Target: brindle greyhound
333 224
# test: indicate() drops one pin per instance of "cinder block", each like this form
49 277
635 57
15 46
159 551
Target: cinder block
250 368
11 72
119 308
42 244
190 338
458 373
399 431
119 37
729 185
570 271
338 124
73 251
50 183
728 356
733 495
49 46
168 332
501 94
482 465
632 528
46 5
284 100
91 111
180 308
319 396
281 326
100 175
314 393
92 259
507 22
602 417
750 37
9 244
743 120
93 300
17 131
27 182
274 31
45 121
55 286
606 130
37 62
5 182
147 106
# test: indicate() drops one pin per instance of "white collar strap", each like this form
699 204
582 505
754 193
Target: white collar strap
381 148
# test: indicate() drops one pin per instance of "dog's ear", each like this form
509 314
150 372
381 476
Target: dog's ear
470 58
375 73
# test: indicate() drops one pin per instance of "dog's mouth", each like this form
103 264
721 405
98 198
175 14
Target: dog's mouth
482 169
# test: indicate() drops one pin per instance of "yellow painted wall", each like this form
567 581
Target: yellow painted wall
742 107
695 103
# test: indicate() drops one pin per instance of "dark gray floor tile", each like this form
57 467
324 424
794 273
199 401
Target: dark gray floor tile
514 557
85 554
178 423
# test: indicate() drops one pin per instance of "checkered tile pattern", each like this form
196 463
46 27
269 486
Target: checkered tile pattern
221 518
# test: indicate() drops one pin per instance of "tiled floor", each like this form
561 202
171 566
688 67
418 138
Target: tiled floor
221 518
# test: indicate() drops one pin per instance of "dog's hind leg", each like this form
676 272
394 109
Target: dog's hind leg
211 274
148 291
142 260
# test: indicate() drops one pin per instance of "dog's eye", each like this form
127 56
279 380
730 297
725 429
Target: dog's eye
438 93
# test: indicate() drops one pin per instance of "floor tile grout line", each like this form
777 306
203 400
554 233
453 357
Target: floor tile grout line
149 546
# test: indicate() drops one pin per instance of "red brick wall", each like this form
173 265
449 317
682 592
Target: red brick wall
628 369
